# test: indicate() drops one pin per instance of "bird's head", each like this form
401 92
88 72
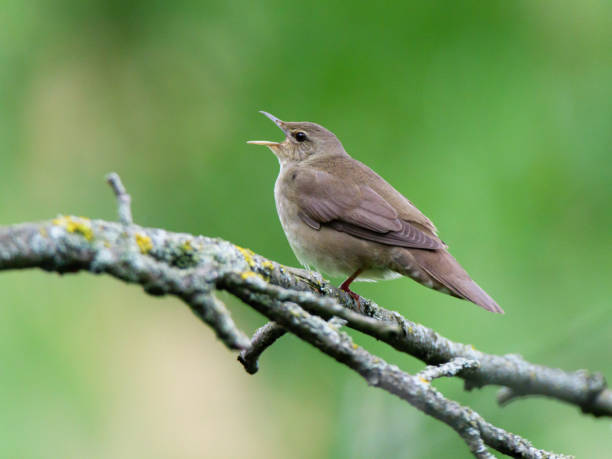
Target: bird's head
303 140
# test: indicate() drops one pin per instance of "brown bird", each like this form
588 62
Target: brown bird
342 218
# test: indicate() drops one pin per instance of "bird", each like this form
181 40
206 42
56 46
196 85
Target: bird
344 219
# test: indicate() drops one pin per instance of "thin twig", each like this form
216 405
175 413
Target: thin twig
124 200
327 307
448 369
262 339
265 337
214 313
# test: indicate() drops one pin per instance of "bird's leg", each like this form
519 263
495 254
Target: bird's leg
345 286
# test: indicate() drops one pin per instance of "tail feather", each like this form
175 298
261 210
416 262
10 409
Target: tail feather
443 267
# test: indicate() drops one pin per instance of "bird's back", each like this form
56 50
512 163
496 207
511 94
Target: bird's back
345 167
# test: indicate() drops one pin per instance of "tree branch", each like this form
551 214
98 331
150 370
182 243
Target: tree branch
585 389
265 337
191 268
124 200
262 339
475 431
448 369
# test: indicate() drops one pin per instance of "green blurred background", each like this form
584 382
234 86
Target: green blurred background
495 118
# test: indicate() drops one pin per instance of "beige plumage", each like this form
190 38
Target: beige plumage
342 218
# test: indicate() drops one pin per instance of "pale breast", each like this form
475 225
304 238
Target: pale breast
294 228
327 250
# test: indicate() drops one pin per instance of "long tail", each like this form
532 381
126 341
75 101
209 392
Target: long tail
443 268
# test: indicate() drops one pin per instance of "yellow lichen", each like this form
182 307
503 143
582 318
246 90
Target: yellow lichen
247 274
187 246
423 380
248 255
268 265
355 346
144 242
77 225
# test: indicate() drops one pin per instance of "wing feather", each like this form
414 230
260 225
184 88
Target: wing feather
355 209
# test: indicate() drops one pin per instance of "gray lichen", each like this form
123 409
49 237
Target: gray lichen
193 267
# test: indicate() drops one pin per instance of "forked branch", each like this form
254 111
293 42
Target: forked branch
193 267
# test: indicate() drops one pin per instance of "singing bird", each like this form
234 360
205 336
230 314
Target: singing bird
344 219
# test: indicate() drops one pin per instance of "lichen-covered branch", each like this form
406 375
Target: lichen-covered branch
448 369
266 336
70 244
585 389
262 339
193 267
475 431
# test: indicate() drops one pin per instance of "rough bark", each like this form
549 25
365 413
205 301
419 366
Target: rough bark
193 267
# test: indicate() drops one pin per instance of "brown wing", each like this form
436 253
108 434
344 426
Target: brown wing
356 209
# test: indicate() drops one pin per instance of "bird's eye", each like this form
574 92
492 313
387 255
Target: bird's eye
300 136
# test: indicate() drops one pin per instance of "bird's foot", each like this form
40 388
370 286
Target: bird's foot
345 287
353 295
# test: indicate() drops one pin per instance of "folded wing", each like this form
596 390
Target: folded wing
355 209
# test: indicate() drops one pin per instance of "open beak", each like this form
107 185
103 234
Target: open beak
267 143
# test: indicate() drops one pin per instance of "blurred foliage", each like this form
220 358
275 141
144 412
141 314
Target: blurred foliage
493 117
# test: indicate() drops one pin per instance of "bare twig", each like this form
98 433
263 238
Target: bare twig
448 369
214 313
262 339
123 198
265 337
328 307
